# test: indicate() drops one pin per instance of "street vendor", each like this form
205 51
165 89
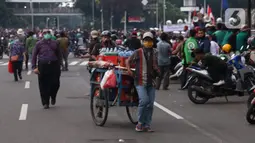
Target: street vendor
145 61
106 42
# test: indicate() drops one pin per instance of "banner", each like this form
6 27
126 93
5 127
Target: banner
175 27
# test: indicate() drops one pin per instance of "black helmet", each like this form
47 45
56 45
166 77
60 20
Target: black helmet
106 33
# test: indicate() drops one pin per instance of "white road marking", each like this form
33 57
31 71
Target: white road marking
23 112
27 84
84 63
168 111
217 139
1 62
4 64
29 72
74 63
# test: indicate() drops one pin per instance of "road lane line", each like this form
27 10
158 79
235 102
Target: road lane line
5 64
168 111
84 63
29 72
27 84
202 131
23 112
73 63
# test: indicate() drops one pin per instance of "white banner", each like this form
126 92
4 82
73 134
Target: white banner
174 27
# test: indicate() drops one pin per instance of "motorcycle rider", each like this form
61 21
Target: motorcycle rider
106 42
189 45
216 67
94 40
133 43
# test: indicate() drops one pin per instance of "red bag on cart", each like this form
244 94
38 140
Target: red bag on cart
10 69
109 80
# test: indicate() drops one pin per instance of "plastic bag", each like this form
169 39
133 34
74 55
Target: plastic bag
10 69
109 80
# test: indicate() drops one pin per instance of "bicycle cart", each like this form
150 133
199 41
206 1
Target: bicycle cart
124 94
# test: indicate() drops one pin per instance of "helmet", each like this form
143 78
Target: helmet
226 48
106 33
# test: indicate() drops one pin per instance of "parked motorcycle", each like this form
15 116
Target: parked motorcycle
250 115
200 82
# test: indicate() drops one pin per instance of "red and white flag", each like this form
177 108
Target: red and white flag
210 14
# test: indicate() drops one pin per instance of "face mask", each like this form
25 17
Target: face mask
148 44
47 36
34 36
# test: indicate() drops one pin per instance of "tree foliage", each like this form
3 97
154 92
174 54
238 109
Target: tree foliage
7 19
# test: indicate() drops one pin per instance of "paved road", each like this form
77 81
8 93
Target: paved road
176 119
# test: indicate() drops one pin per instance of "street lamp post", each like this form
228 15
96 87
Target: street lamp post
102 19
157 13
111 20
93 13
32 14
164 11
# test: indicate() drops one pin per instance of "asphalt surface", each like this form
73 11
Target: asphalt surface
175 119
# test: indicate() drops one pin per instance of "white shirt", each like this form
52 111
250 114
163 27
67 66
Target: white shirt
214 48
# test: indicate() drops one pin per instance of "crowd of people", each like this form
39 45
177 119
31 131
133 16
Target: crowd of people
155 55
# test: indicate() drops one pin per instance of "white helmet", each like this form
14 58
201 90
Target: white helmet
219 20
168 22
179 21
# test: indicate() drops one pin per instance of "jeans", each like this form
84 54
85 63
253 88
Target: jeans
146 102
164 75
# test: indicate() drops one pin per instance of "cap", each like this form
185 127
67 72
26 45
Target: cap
148 34
94 34
20 32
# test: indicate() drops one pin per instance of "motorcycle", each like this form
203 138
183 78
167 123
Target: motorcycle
201 83
250 115
179 69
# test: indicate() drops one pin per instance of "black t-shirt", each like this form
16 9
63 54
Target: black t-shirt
213 62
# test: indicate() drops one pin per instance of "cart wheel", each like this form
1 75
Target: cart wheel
99 106
132 114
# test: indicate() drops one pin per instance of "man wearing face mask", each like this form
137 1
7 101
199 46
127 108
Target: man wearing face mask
30 44
106 42
48 53
146 65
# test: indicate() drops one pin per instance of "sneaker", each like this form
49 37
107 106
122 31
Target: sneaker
148 129
46 106
221 82
139 128
53 101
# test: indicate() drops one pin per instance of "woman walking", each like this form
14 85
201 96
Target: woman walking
17 54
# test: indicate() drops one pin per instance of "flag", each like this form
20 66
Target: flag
202 11
224 4
210 14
